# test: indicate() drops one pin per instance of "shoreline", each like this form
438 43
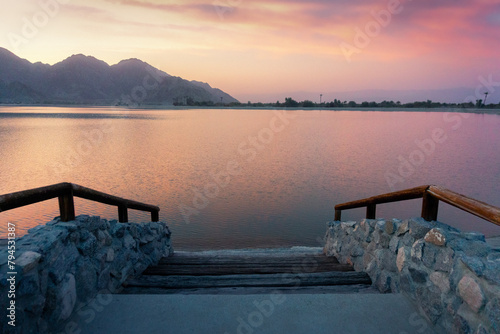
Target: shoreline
170 107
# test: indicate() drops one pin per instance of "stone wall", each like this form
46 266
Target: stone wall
61 267
452 276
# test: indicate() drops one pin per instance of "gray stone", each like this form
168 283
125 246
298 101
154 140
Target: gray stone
417 250
129 242
44 281
453 304
406 283
460 325
72 227
367 260
84 234
394 244
403 228
469 247
35 229
60 262
382 239
403 258
390 227
436 236
477 248
103 224
444 260
110 255
441 280
51 239
147 238
493 256
67 297
126 271
471 293
430 300
419 227
36 305
482 330
474 264
54 221
418 276
74 237
27 261
118 230
86 279
103 279
88 247
430 252
133 230
101 237
29 285
349 224
492 311
406 240
395 286
492 272
474 236
357 251
387 260
380 225
383 282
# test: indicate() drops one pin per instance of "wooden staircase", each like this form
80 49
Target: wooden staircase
220 272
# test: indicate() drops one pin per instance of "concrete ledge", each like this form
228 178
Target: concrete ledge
246 314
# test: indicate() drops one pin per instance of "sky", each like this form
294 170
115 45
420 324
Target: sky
255 49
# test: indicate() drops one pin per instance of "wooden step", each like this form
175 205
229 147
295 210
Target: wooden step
255 280
204 265
219 272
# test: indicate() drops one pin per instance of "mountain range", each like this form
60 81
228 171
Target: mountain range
86 80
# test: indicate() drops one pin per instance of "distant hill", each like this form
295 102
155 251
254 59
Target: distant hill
86 80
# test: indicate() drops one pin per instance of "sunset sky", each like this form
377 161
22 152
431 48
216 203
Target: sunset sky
254 47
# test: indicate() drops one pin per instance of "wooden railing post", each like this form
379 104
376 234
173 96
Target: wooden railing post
155 216
122 213
430 205
67 206
338 214
371 210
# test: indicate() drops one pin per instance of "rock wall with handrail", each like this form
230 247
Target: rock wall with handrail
452 276
63 268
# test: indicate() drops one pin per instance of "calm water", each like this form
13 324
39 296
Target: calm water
247 178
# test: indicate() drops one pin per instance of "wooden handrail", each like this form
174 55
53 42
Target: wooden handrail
65 192
431 196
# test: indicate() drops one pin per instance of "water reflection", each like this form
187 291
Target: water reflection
281 197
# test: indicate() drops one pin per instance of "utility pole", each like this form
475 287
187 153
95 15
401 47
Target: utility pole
485 97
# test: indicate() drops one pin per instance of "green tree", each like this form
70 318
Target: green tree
291 103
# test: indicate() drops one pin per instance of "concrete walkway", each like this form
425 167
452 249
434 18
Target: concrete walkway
274 312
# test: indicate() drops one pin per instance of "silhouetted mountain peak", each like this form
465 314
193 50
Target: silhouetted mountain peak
82 60
7 56
137 65
6 53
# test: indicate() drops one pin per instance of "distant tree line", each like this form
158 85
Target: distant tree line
291 103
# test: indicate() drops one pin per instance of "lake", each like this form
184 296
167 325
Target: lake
247 178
